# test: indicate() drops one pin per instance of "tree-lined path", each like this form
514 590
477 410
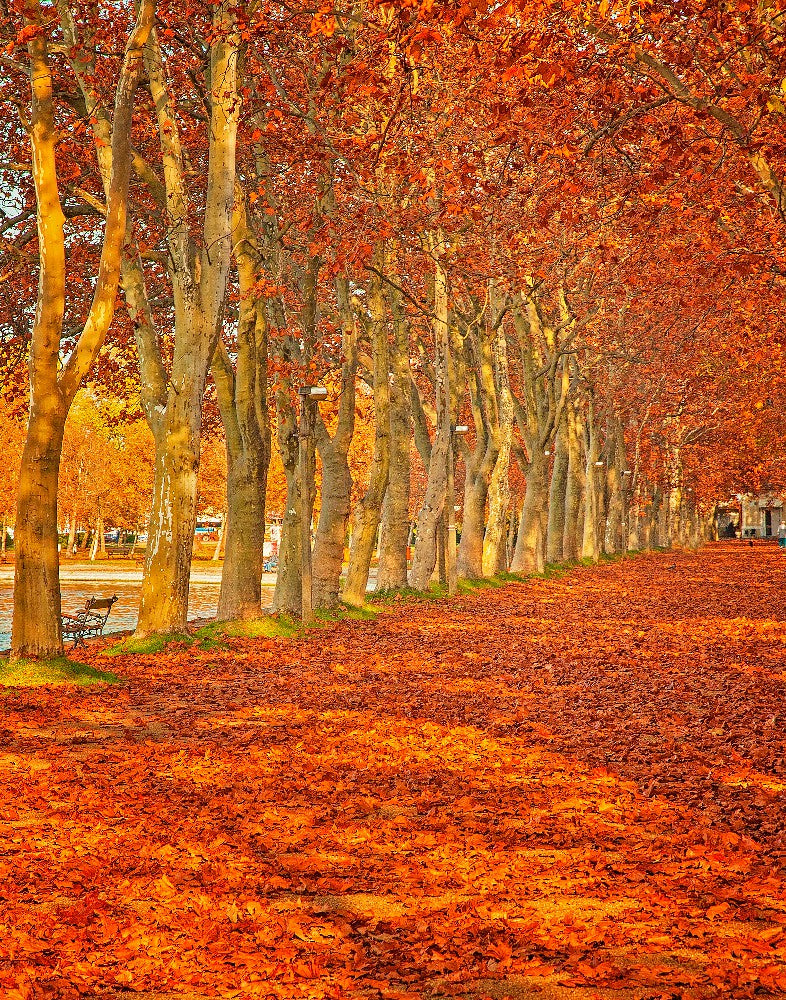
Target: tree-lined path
568 787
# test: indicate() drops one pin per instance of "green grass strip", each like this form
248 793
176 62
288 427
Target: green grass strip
36 673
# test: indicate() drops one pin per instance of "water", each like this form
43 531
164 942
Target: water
77 585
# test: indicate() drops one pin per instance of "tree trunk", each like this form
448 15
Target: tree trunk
71 532
336 499
557 490
3 539
241 577
36 625
589 543
574 490
163 606
615 515
198 270
101 537
470 552
288 595
495 557
36 630
331 532
394 537
528 556
221 532
426 554
369 509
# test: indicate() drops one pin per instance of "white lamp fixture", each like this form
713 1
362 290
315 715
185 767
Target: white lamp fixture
313 391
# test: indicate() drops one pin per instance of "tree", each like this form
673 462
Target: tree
36 626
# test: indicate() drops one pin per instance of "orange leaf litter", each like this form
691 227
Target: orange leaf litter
565 788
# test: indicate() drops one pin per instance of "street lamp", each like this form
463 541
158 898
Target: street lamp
310 395
450 503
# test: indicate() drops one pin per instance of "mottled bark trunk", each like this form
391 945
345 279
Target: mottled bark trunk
336 501
574 489
71 531
163 604
287 597
198 270
221 532
328 557
394 536
101 537
369 509
36 624
426 553
242 399
244 537
495 553
36 628
470 552
529 554
589 542
614 539
557 488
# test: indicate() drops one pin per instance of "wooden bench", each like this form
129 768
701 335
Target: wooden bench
90 621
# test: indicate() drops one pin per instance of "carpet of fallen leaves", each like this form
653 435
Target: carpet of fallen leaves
567 788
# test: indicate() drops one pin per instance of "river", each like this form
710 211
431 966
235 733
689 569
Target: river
77 583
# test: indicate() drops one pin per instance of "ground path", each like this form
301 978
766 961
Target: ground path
567 788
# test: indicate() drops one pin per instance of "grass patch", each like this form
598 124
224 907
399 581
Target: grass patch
391 594
265 627
365 613
351 612
145 645
61 670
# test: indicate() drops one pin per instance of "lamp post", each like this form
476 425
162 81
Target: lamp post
309 397
450 505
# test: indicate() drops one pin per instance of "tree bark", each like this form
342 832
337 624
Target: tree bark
36 628
287 597
574 490
589 544
369 510
336 496
221 532
242 399
559 477
614 540
495 558
36 623
71 531
529 553
166 575
394 536
425 557
199 275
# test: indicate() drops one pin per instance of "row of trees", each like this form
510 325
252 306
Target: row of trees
558 224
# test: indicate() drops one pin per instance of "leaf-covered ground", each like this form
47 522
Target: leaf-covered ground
569 788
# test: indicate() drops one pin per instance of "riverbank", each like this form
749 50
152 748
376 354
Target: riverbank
78 581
